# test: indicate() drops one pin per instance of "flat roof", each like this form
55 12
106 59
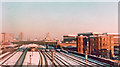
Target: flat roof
70 35
93 36
112 33
90 33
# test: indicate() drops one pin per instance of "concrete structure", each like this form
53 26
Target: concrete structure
69 39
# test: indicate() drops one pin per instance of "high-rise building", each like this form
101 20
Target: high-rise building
3 37
7 37
20 36
48 37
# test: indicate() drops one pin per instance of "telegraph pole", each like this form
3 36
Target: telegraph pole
30 59
57 42
86 58
53 53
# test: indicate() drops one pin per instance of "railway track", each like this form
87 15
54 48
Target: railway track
60 60
46 62
56 63
65 63
70 61
63 60
40 60
43 60
6 58
80 62
3 61
5 55
93 63
21 59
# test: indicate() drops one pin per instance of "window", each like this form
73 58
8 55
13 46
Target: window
103 44
94 49
103 39
93 44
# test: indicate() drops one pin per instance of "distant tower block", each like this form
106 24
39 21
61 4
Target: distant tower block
48 38
3 37
21 36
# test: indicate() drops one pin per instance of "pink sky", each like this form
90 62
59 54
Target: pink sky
36 19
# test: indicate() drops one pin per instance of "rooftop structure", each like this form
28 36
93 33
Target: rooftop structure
112 33
88 34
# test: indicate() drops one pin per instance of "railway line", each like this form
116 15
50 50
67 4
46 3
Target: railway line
21 59
60 61
77 60
4 55
2 62
90 60
11 58
63 59
50 58
43 58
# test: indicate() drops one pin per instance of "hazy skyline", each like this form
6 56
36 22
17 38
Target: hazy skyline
59 18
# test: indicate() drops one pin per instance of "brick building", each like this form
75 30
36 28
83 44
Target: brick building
102 45
94 46
82 45
116 40
84 38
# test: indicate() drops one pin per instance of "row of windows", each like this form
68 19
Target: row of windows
100 44
94 39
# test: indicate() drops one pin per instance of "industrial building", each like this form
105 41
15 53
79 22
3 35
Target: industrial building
69 39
